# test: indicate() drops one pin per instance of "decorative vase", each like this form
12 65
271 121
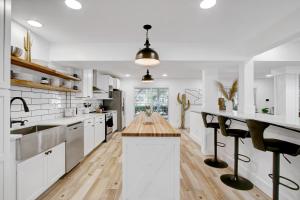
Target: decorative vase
229 106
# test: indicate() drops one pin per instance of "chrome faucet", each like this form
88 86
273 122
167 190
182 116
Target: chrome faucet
26 109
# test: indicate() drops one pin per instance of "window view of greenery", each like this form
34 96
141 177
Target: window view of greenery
156 98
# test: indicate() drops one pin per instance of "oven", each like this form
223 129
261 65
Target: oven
108 126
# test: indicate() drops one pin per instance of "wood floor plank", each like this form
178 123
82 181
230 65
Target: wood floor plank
99 177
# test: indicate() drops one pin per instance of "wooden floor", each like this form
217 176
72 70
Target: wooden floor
99 177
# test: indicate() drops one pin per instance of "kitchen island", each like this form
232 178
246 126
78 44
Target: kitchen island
151 159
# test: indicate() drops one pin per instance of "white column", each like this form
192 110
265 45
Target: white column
210 91
246 87
286 91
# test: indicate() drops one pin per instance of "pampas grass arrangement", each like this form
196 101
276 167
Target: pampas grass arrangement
233 90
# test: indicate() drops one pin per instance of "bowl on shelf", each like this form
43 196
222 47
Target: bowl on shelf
22 76
16 51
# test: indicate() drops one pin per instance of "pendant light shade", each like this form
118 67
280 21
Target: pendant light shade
147 77
147 56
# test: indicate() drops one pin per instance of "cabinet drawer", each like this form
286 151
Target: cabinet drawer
100 119
88 122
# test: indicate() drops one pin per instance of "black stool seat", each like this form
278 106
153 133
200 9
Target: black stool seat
238 133
214 162
276 146
234 180
213 125
283 147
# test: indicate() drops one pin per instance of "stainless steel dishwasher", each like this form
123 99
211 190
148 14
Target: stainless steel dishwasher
74 145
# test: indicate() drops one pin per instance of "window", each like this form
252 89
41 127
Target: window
157 98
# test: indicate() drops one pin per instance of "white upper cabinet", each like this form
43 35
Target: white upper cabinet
86 83
116 84
4 44
105 82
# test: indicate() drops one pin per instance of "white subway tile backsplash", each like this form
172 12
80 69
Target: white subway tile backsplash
18 102
39 112
55 111
31 95
40 101
34 107
47 96
39 90
15 93
14 115
20 88
33 119
44 104
46 117
15 108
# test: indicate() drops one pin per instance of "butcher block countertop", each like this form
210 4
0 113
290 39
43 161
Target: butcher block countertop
159 128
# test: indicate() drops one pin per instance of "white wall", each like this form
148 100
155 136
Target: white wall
264 90
40 46
174 85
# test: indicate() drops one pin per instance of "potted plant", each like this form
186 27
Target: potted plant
229 96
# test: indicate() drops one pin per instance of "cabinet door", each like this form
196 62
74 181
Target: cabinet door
99 132
89 138
90 83
115 121
86 84
5 43
4 143
32 177
55 164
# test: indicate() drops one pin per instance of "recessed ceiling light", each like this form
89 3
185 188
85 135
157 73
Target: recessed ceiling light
76 5
206 4
165 75
127 75
34 23
269 75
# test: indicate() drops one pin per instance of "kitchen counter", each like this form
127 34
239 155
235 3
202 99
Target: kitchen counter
261 162
60 122
284 121
151 160
159 128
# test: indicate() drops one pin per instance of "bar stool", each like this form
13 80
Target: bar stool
276 146
234 180
214 162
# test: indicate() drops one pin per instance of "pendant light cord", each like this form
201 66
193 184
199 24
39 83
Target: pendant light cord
147 43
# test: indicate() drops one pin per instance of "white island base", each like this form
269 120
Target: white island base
151 168
151 160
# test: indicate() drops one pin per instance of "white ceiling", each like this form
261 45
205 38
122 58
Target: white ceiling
174 69
174 21
222 29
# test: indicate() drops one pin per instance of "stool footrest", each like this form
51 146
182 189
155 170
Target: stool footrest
221 144
244 158
294 187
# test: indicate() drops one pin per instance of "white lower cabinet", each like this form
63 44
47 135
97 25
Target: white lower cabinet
99 130
89 136
94 133
115 121
37 174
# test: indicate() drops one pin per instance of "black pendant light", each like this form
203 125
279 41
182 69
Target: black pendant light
147 77
147 56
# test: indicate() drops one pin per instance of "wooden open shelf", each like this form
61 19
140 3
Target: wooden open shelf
30 84
43 69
